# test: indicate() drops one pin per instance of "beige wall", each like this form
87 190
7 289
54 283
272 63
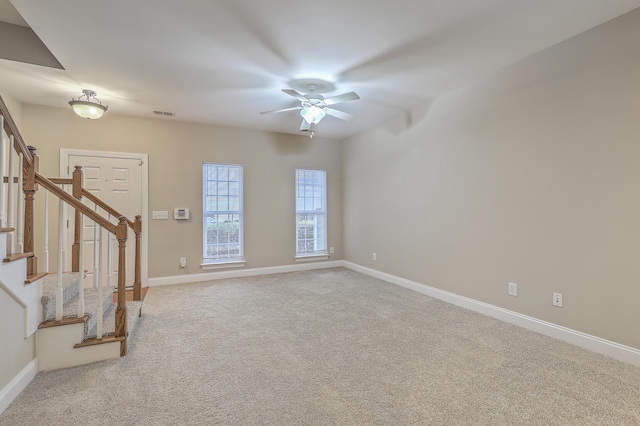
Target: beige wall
530 175
17 352
176 152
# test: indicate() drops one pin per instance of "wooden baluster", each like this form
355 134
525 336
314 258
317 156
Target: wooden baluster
77 230
11 198
137 285
121 310
29 187
3 218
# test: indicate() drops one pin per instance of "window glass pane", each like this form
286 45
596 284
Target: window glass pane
223 173
212 172
234 188
210 203
223 188
234 175
223 204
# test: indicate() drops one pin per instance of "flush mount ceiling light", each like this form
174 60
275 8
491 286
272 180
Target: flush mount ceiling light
88 108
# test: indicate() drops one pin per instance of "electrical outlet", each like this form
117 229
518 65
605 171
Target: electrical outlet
183 262
375 257
513 289
331 250
557 299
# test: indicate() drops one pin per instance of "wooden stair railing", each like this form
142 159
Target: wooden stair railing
136 226
31 178
29 168
120 232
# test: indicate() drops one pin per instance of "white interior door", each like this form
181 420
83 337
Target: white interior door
118 181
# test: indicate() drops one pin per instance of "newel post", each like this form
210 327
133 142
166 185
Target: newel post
76 181
29 188
121 309
137 285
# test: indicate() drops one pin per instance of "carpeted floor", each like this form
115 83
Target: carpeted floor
329 347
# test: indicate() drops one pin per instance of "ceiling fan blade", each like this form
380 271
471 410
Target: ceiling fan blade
346 97
340 114
282 110
297 95
305 126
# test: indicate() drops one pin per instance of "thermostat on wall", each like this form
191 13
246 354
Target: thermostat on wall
181 214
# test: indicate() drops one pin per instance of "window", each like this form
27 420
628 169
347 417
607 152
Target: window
311 212
222 213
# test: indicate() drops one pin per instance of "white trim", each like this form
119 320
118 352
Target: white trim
208 266
17 385
144 158
312 258
592 343
586 341
238 273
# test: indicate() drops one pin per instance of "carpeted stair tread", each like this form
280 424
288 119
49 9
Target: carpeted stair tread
91 307
70 284
109 321
70 309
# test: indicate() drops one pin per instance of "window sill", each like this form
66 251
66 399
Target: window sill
311 257
208 266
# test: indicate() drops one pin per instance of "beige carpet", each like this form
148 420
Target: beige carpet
330 347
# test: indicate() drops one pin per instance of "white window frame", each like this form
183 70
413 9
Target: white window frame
228 261
320 252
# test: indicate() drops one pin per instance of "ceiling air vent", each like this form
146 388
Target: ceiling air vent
164 113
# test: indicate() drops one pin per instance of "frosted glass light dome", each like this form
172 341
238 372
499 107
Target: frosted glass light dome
88 108
312 114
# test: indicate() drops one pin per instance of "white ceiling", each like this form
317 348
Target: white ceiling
224 61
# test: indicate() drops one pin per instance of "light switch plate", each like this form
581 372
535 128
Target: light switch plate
159 215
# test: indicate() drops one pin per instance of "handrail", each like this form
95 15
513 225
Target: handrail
61 181
69 199
105 206
11 129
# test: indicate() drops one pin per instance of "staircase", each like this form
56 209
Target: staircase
74 322
79 333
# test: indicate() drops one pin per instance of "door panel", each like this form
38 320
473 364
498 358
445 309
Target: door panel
118 182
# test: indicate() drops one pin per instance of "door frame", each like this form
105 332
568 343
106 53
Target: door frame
65 171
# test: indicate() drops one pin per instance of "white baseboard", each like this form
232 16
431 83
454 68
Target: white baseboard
238 273
17 385
595 344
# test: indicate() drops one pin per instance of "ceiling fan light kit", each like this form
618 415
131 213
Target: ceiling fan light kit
313 106
312 114
88 108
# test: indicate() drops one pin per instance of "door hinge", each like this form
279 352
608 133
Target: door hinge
67 170
67 223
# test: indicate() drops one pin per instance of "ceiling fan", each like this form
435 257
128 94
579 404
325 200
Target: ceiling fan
313 106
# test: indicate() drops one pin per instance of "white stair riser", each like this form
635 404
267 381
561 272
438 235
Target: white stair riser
55 348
